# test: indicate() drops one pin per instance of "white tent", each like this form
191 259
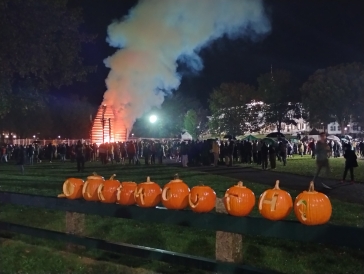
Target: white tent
185 136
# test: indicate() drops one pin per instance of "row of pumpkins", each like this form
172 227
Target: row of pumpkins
310 207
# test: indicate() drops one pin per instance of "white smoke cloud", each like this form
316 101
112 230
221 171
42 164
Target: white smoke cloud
156 34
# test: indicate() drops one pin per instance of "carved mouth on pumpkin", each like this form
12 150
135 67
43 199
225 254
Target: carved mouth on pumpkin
140 193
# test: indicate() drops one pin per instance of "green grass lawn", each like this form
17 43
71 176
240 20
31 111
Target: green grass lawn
47 179
307 167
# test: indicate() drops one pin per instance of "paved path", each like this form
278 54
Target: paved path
353 193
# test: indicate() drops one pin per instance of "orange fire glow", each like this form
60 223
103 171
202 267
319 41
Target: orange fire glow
107 128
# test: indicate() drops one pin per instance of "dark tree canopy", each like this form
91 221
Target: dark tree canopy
231 110
280 93
335 94
40 45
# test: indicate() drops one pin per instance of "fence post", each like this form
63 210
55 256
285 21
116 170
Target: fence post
75 224
228 245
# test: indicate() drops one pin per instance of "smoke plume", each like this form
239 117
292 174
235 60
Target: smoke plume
158 33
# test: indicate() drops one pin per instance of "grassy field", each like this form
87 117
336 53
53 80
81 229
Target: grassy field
307 167
25 255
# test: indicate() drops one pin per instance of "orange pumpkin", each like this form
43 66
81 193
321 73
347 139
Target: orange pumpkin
275 204
202 199
239 200
312 207
89 190
125 193
72 189
175 194
107 190
147 194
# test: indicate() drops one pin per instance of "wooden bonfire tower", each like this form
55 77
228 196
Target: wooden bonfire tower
107 127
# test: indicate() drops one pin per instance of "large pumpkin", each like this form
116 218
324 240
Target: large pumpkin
175 194
89 190
147 194
312 207
107 190
125 193
275 204
239 200
202 199
72 189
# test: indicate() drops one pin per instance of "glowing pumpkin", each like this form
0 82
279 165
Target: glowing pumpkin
147 194
239 200
107 190
125 193
202 199
275 204
175 194
90 187
72 189
312 207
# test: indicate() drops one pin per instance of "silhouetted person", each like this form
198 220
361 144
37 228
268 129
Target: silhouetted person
350 162
80 156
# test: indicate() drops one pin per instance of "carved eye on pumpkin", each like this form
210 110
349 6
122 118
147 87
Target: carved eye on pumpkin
175 194
239 200
72 189
147 194
312 207
107 190
90 187
125 193
202 199
275 204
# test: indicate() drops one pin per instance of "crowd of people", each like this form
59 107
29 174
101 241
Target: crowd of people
188 153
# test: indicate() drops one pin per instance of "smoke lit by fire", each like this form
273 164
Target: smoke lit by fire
158 33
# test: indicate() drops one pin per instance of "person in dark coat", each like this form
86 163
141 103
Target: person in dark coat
80 156
264 156
272 156
350 162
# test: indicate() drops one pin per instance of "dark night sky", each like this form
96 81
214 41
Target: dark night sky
305 36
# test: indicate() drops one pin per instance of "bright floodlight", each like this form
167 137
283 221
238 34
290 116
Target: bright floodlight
153 119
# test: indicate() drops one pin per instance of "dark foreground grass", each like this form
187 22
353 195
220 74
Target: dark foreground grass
306 166
47 179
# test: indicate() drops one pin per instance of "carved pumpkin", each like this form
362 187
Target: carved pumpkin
125 193
312 207
89 190
202 199
275 204
239 200
72 189
175 194
107 190
147 194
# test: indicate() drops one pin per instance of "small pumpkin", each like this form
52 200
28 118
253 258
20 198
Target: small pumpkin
107 190
312 207
90 187
175 194
72 189
147 194
202 199
239 200
275 204
125 193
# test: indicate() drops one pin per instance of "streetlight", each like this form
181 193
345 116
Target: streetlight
59 137
153 119
33 136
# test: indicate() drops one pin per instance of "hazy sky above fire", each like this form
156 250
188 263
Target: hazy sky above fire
305 35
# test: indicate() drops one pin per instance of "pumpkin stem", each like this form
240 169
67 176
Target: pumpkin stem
94 173
312 187
277 185
176 176
148 179
240 183
112 177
